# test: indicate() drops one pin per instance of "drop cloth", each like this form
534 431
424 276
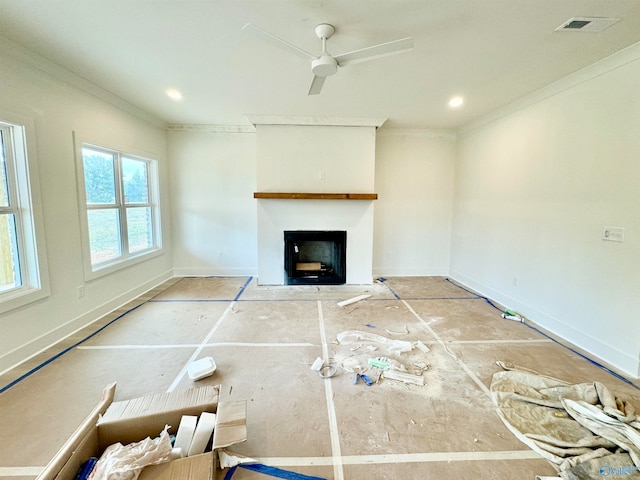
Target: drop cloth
584 430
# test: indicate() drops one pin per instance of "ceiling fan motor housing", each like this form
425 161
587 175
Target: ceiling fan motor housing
324 66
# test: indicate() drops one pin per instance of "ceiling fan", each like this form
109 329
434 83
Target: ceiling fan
325 64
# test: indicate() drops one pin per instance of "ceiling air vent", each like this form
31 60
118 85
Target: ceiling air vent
587 24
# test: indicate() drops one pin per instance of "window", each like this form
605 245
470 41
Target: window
22 263
121 206
10 271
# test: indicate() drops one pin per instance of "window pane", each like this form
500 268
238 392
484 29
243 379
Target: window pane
134 177
9 266
104 235
139 228
4 192
99 178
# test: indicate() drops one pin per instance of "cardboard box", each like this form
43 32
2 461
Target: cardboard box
134 420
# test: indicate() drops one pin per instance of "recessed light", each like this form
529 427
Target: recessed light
173 94
456 102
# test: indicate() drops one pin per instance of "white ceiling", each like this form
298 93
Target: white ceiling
489 51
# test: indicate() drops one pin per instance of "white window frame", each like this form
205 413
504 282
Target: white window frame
126 259
25 205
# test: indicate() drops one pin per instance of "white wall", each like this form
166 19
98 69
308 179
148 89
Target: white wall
414 181
58 109
413 176
213 177
316 158
534 188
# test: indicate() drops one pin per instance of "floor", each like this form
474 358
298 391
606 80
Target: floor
264 341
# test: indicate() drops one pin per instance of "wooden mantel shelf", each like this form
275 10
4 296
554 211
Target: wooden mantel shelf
316 196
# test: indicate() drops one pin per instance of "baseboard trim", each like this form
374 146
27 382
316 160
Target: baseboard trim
214 272
26 352
410 272
608 356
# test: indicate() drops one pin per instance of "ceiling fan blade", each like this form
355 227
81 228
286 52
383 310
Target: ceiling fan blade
377 51
276 41
316 85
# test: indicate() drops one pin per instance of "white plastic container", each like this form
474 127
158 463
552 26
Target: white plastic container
201 368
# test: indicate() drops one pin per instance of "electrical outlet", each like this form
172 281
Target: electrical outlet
613 234
80 291
516 281
321 175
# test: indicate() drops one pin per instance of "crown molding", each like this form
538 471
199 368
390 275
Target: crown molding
614 61
211 128
316 121
445 134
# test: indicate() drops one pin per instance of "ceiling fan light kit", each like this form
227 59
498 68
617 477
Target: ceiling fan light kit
325 64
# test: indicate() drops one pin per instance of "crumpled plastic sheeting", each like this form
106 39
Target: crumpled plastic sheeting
125 462
570 425
394 347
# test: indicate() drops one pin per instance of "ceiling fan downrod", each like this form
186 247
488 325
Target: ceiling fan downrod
325 65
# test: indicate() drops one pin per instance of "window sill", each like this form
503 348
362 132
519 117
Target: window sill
21 297
108 269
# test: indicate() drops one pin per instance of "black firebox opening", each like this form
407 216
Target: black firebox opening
315 257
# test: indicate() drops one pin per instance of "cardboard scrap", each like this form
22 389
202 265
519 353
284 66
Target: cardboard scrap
231 425
197 467
132 420
127 421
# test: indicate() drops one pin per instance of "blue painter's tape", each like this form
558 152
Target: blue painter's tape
68 349
486 299
190 300
277 472
392 291
383 280
246 284
593 362
230 473
86 469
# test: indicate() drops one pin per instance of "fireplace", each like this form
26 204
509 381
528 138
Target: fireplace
315 257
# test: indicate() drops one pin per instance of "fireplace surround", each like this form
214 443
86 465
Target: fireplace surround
313 257
315 174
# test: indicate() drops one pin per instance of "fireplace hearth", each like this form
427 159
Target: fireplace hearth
313 257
